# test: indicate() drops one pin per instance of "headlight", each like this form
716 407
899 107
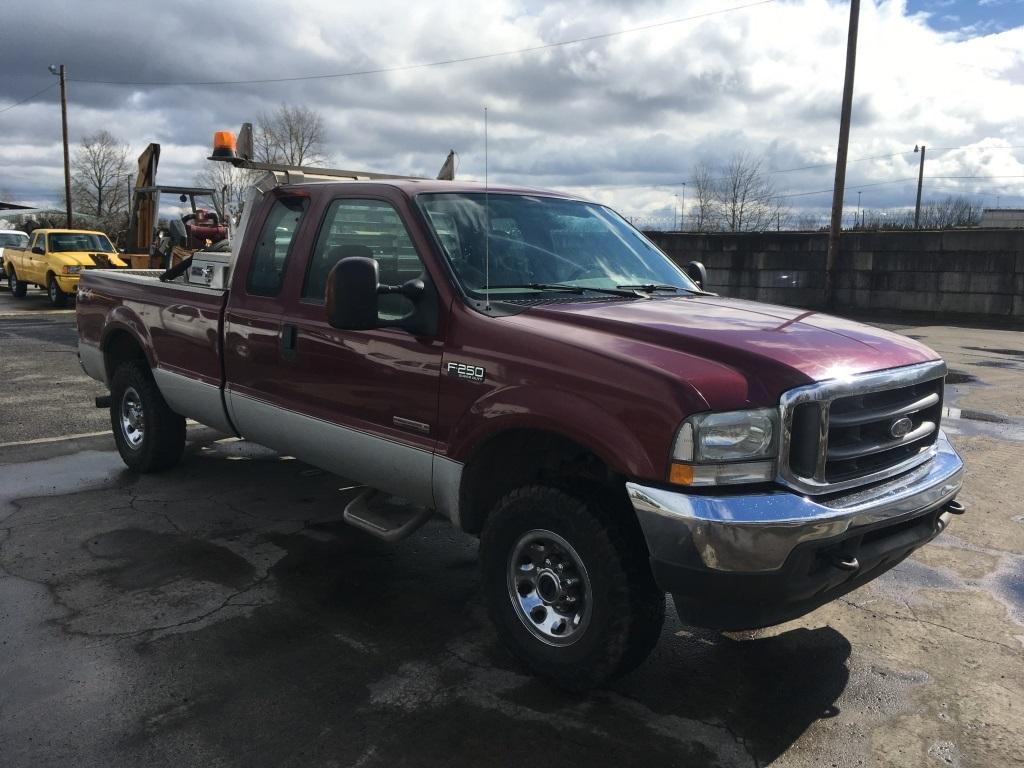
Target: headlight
725 448
71 270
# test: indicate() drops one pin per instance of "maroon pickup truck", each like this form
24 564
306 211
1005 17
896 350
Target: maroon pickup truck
530 367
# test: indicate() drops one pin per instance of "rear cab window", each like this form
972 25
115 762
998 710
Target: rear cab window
274 246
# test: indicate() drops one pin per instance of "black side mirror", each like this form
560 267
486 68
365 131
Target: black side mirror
352 294
38 249
696 272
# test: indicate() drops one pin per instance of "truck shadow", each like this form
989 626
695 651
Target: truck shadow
376 652
703 698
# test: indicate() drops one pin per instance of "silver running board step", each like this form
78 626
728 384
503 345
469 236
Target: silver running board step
387 517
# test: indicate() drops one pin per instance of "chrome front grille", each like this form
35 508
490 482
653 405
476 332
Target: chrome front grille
842 433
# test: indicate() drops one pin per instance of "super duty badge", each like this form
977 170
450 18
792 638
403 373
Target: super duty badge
465 371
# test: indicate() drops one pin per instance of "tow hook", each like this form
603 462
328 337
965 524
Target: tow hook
955 508
846 562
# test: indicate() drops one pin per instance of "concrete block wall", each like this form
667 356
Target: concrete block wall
956 272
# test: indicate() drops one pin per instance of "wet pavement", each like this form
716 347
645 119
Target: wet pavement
221 614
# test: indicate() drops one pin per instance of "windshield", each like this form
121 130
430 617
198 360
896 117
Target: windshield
79 241
13 239
543 243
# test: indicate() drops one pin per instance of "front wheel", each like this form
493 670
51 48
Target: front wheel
569 587
58 298
149 435
18 288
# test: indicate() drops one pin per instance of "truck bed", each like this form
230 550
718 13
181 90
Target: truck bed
180 327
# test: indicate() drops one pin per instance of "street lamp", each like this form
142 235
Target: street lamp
920 182
59 71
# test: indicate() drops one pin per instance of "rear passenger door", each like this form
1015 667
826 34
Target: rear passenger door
253 328
362 403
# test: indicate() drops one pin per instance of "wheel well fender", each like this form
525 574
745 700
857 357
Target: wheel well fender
121 341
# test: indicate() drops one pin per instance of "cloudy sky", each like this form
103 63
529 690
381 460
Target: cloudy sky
622 118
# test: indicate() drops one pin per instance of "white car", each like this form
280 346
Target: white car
15 239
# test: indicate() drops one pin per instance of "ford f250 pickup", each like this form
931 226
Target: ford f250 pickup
530 367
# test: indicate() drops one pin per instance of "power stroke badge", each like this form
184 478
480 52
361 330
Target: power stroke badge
465 371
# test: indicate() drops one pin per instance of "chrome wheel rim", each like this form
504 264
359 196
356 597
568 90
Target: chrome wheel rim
53 289
549 587
133 421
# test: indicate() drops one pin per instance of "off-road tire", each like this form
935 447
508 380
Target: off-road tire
58 298
18 288
628 609
163 435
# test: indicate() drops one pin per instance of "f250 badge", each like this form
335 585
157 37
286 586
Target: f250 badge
464 371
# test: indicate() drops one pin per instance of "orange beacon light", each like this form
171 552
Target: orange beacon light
224 144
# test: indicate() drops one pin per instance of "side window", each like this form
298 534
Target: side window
270 257
370 228
40 241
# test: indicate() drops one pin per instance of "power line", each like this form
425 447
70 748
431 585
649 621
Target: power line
28 98
424 65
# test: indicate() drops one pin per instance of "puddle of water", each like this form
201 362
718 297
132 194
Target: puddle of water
959 377
1007 365
1011 352
967 413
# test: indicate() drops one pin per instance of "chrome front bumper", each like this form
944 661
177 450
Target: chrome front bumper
756 532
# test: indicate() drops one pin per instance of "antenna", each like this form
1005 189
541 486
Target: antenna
487 225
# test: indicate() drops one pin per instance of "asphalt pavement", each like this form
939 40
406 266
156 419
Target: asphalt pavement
222 614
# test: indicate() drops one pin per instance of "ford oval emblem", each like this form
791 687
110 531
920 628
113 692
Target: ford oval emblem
901 427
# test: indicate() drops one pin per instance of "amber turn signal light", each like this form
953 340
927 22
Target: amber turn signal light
681 474
224 144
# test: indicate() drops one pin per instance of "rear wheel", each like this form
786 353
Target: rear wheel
58 298
18 288
569 586
149 435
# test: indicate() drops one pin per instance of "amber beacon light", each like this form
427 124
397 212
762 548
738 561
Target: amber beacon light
224 144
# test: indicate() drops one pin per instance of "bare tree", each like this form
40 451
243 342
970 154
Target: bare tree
231 185
745 197
290 135
950 212
100 177
704 188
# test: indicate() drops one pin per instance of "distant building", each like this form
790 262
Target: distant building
1002 218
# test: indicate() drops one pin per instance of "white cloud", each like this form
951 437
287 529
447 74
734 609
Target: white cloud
637 109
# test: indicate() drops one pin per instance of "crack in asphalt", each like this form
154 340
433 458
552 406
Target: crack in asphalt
897 617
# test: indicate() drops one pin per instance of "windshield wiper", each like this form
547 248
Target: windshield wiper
565 288
655 287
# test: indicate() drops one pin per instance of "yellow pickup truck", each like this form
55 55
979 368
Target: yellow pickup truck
54 260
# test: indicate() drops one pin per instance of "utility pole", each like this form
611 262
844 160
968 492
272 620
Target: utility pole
859 222
60 71
844 143
682 209
920 183
675 225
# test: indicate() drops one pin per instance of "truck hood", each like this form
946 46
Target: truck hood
87 259
773 346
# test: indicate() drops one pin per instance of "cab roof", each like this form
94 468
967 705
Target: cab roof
413 187
69 231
